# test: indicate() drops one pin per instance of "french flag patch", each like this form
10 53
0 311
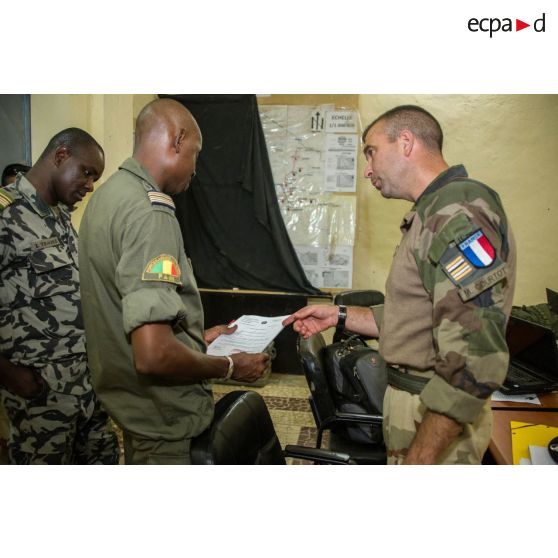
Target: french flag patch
478 250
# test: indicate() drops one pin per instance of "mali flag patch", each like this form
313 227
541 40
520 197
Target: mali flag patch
163 268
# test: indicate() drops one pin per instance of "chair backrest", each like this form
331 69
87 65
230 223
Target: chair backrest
241 433
359 298
311 352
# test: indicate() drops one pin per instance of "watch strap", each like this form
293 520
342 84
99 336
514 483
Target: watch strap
341 318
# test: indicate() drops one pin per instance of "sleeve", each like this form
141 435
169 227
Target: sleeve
148 274
466 273
378 312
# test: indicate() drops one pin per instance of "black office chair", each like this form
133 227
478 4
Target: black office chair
327 417
356 298
241 433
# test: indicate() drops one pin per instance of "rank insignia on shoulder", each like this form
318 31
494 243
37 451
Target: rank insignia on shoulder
458 268
160 199
163 268
473 265
5 199
478 250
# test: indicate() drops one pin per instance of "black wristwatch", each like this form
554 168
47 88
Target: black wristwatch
341 319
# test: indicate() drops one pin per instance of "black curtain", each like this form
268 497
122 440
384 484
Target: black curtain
230 218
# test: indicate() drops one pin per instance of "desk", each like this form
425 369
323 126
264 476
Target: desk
500 443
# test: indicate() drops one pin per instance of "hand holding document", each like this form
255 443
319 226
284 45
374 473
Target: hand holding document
253 335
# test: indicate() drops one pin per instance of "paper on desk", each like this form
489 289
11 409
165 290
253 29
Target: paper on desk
525 434
253 335
528 398
540 455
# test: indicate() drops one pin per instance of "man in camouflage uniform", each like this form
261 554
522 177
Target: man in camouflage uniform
9 175
44 380
448 296
142 309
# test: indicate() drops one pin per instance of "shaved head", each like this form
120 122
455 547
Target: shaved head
167 143
160 118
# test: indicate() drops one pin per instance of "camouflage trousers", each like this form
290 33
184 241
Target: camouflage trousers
57 428
144 451
403 413
4 433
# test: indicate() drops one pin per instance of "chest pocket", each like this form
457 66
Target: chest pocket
52 272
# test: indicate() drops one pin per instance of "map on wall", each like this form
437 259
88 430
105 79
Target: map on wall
313 156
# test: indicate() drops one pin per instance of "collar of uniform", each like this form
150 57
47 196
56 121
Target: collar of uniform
29 192
131 165
407 220
156 196
442 179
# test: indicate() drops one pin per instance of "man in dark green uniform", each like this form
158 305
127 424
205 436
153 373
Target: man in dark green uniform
142 309
448 296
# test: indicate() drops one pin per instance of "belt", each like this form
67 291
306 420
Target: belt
405 381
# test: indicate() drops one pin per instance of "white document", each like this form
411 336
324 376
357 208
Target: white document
540 456
344 121
253 335
528 398
341 163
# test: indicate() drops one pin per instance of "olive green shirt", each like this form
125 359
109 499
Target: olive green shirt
134 271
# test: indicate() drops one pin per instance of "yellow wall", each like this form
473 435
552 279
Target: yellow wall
507 141
108 118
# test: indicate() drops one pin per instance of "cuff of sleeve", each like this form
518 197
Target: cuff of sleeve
447 400
378 312
149 305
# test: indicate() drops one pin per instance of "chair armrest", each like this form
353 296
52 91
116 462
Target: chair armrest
359 417
318 455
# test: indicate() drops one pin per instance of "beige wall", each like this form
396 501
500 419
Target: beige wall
109 118
508 141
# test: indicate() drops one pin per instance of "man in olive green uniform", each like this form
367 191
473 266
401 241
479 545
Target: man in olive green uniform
142 309
448 296
45 385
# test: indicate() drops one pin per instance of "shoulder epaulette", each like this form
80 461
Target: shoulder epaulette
6 198
160 199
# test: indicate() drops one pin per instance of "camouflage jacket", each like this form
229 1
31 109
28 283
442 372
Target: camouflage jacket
40 314
449 295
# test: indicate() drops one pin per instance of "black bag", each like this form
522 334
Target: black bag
357 377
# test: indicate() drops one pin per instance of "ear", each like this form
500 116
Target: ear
179 140
61 154
407 141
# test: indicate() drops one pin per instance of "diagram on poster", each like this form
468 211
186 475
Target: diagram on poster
328 266
341 162
311 162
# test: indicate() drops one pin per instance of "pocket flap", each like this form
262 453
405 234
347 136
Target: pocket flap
49 259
